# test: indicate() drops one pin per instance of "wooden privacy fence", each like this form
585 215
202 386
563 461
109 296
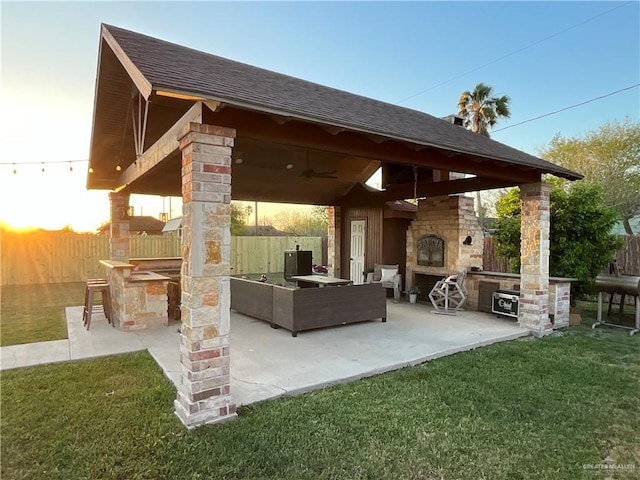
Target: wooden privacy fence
491 262
628 257
59 257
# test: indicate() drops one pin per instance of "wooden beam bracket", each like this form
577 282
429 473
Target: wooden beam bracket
162 149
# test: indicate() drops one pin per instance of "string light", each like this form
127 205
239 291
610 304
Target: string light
43 165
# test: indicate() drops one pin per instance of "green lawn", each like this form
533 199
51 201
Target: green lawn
35 313
529 409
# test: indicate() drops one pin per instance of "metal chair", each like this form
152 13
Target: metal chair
449 294
94 286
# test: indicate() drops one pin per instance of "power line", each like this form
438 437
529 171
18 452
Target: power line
566 108
514 52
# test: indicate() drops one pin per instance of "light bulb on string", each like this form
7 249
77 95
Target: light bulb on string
15 171
90 169
118 168
70 167
42 167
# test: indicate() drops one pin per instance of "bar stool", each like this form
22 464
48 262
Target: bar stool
93 286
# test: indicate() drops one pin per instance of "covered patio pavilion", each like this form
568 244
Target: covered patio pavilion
169 120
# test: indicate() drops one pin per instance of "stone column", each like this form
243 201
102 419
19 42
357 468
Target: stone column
203 391
119 228
333 242
534 253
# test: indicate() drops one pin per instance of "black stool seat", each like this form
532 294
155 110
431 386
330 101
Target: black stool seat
93 286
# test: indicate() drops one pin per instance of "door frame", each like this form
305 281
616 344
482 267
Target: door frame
364 246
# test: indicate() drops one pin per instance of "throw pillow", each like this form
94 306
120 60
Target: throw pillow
388 274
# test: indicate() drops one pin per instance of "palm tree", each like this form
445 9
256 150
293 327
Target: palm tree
481 109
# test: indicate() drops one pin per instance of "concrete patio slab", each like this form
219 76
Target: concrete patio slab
280 364
268 363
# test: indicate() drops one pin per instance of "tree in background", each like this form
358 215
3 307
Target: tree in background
609 156
239 214
303 224
320 214
581 242
481 109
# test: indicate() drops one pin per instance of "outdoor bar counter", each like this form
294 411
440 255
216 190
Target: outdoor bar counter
139 298
481 286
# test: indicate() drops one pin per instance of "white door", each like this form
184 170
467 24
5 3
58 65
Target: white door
356 271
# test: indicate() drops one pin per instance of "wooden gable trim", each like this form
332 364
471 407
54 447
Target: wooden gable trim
143 85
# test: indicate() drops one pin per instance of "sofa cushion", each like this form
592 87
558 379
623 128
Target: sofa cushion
388 274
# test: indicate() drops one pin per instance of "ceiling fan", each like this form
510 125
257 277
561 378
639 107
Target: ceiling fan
311 173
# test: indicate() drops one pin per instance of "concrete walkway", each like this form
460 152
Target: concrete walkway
267 363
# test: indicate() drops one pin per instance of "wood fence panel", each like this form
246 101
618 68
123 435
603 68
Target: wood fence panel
490 262
266 254
628 257
153 246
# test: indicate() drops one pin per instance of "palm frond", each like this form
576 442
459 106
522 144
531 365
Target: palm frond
463 102
502 106
482 92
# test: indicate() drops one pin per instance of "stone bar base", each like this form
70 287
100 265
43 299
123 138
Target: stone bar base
559 293
139 301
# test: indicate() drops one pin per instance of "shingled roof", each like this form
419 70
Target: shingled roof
169 67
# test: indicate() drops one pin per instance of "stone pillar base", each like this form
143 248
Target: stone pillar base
205 417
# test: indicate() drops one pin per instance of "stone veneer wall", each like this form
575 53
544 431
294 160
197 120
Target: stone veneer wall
451 218
119 227
333 242
204 385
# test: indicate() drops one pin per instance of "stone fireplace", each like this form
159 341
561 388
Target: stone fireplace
444 238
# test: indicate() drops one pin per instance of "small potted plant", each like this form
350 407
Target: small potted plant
413 292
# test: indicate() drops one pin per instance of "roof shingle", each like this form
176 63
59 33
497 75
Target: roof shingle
168 66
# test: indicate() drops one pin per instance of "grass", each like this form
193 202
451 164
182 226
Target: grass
530 409
36 313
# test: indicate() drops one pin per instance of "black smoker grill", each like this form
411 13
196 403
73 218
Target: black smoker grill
297 262
623 285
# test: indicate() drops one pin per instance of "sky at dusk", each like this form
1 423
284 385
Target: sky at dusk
545 55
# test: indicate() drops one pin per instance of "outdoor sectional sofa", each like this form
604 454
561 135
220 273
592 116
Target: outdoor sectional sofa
299 309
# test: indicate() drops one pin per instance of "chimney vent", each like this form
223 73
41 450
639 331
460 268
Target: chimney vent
455 119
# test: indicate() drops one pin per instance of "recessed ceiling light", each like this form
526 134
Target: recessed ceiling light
289 166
